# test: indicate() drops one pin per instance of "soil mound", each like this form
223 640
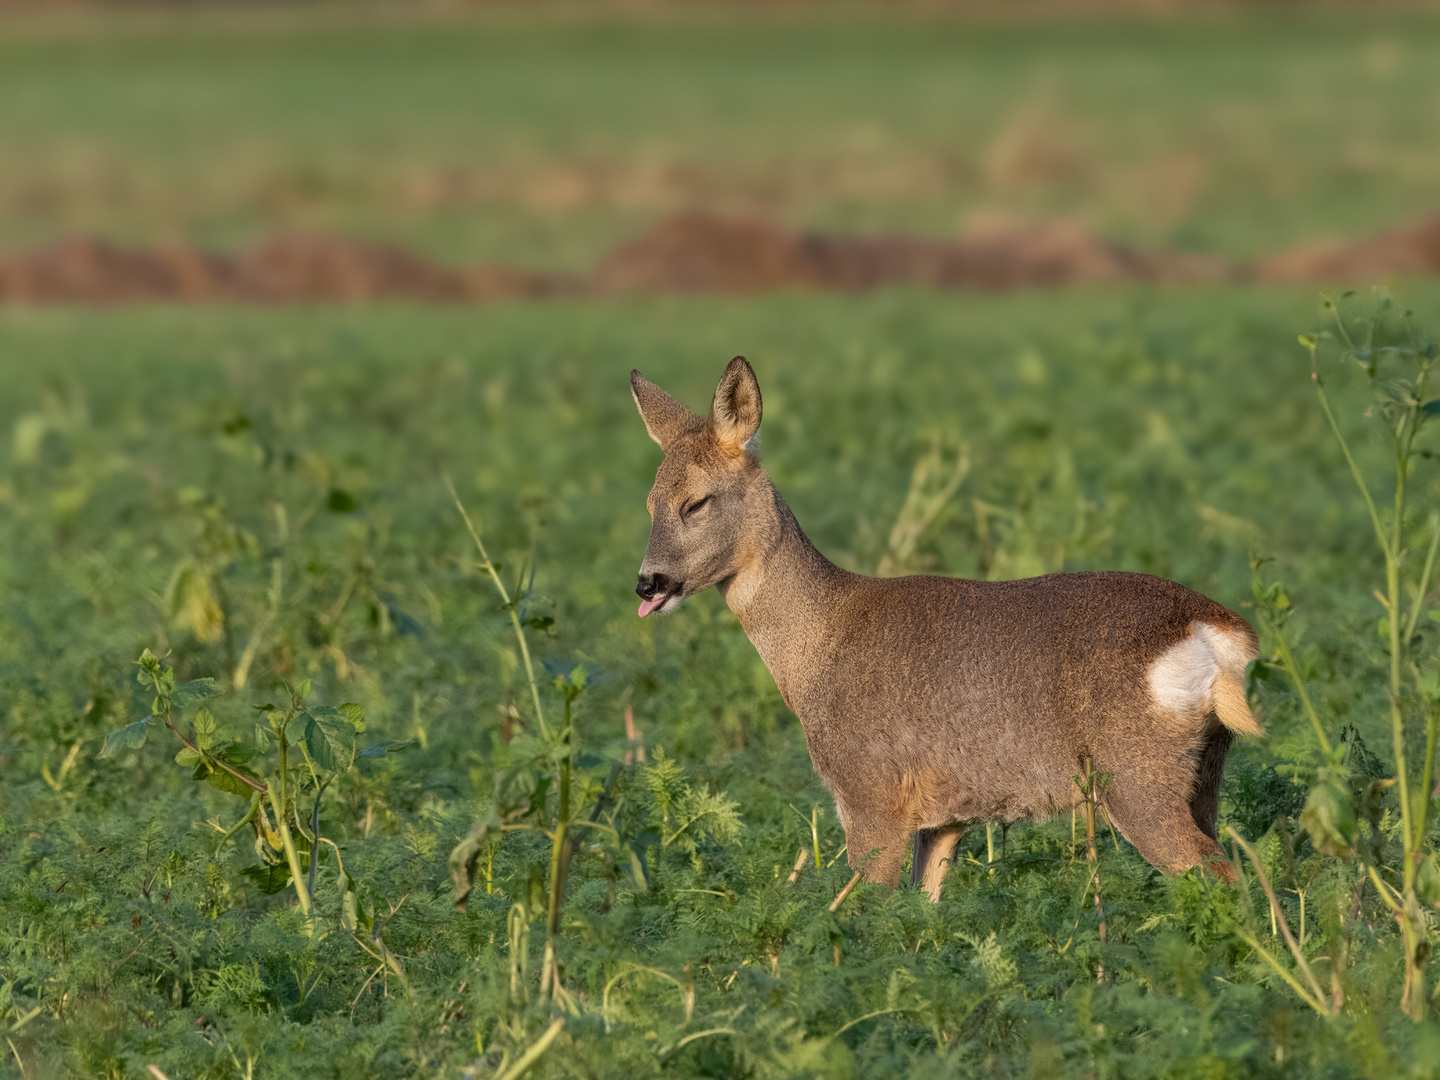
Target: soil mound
687 253
1411 251
696 253
84 271
302 268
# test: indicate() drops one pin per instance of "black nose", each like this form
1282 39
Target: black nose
652 585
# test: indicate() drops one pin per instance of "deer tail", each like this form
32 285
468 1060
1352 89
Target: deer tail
1228 697
1233 648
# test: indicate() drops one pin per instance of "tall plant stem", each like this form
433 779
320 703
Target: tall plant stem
505 600
1317 1002
1419 605
559 867
1427 774
1391 548
1293 670
558 851
1412 818
1349 458
1092 855
1397 720
291 856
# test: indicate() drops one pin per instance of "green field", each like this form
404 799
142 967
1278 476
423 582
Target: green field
258 497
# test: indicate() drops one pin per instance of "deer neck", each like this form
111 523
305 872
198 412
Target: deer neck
784 594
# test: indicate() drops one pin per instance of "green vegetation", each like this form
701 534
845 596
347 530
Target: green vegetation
259 498
234 858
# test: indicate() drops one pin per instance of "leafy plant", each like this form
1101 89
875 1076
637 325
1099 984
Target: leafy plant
1345 813
313 745
146 918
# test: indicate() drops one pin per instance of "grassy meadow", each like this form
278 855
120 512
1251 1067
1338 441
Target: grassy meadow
543 141
258 498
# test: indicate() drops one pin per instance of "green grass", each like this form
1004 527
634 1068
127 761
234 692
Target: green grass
543 143
1102 424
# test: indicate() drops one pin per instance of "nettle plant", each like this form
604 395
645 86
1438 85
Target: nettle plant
626 826
1381 828
296 750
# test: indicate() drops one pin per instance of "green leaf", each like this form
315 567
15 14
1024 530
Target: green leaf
236 752
340 501
634 871
330 737
204 728
302 688
131 735
354 713
1329 814
149 666
465 858
268 879
193 693
349 902
1427 881
382 748
188 758
224 780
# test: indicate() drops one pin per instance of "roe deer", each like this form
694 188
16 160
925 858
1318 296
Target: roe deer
932 702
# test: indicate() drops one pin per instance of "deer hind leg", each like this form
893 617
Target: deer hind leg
1158 819
933 849
1205 801
877 847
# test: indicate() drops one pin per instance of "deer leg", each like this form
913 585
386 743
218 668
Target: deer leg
1205 801
876 847
933 849
1158 820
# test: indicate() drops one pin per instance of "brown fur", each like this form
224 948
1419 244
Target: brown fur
1232 708
930 702
933 850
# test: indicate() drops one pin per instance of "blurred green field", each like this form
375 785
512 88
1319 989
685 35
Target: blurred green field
541 142
258 496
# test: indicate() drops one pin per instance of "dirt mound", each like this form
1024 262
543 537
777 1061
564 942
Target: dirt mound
84 271
696 253
687 253
1411 251
301 268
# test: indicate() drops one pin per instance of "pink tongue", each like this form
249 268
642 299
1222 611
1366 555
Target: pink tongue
647 606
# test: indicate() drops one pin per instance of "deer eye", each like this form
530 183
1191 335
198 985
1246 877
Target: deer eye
694 504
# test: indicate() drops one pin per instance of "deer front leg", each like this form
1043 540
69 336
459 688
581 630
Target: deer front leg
933 851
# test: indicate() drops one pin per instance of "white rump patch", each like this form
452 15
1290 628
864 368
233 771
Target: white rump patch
1182 679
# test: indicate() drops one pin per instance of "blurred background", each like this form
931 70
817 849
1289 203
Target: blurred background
541 136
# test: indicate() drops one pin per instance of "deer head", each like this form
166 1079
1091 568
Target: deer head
711 500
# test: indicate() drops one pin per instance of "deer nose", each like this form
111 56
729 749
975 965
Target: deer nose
651 585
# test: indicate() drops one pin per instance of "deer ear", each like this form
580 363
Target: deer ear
735 413
664 417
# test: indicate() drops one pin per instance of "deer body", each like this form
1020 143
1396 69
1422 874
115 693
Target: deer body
930 702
